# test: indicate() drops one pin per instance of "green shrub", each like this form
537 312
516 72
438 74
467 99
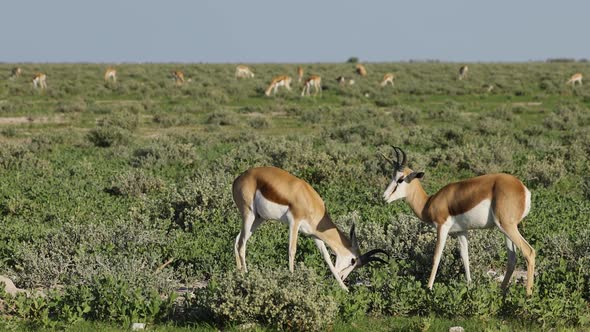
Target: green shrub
259 122
134 183
275 298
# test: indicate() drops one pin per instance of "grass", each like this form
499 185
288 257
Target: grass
157 172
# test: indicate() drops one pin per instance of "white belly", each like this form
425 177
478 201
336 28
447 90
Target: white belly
267 209
477 218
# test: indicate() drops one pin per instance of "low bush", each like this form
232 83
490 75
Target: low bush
274 298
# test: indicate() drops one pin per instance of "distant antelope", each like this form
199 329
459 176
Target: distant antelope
16 72
387 78
463 72
299 74
110 73
39 81
277 82
361 70
243 72
178 77
481 202
314 82
576 78
344 80
265 193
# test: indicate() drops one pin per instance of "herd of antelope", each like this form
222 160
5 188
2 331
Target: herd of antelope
312 82
269 193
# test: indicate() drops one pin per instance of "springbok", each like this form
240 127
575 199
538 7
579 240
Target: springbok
361 70
265 193
110 73
243 72
481 202
178 77
15 73
463 72
299 74
277 82
576 78
387 78
39 81
315 82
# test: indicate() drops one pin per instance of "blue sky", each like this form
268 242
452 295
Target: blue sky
292 31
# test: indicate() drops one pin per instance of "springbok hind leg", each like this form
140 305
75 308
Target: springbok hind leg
464 251
249 225
511 263
528 252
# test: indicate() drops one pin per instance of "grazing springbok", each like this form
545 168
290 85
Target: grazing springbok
178 77
342 81
299 74
110 74
270 193
481 202
387 78
39 81
576 78
277 82
244 72
315 82
361 70
15 73
463 72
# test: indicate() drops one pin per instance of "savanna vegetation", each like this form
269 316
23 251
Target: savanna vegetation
102 183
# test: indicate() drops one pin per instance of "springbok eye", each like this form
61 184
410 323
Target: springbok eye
400 180
352 261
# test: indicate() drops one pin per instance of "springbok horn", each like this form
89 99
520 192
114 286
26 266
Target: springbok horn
367 257
404 154
396 156
374 259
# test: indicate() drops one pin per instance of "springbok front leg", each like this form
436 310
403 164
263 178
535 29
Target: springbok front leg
442 231
322 246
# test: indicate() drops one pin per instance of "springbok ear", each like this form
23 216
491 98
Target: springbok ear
413 175
353 237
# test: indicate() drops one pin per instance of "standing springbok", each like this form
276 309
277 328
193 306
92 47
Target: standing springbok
299 74
277 82
315 82
243 72
265 193
178 77
361 70
463 72
481 202
387 78
39 81
576 78
110 74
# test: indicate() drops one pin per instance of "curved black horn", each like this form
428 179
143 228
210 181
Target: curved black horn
374 259
404 160
403 163
367 257
353 236
396 156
